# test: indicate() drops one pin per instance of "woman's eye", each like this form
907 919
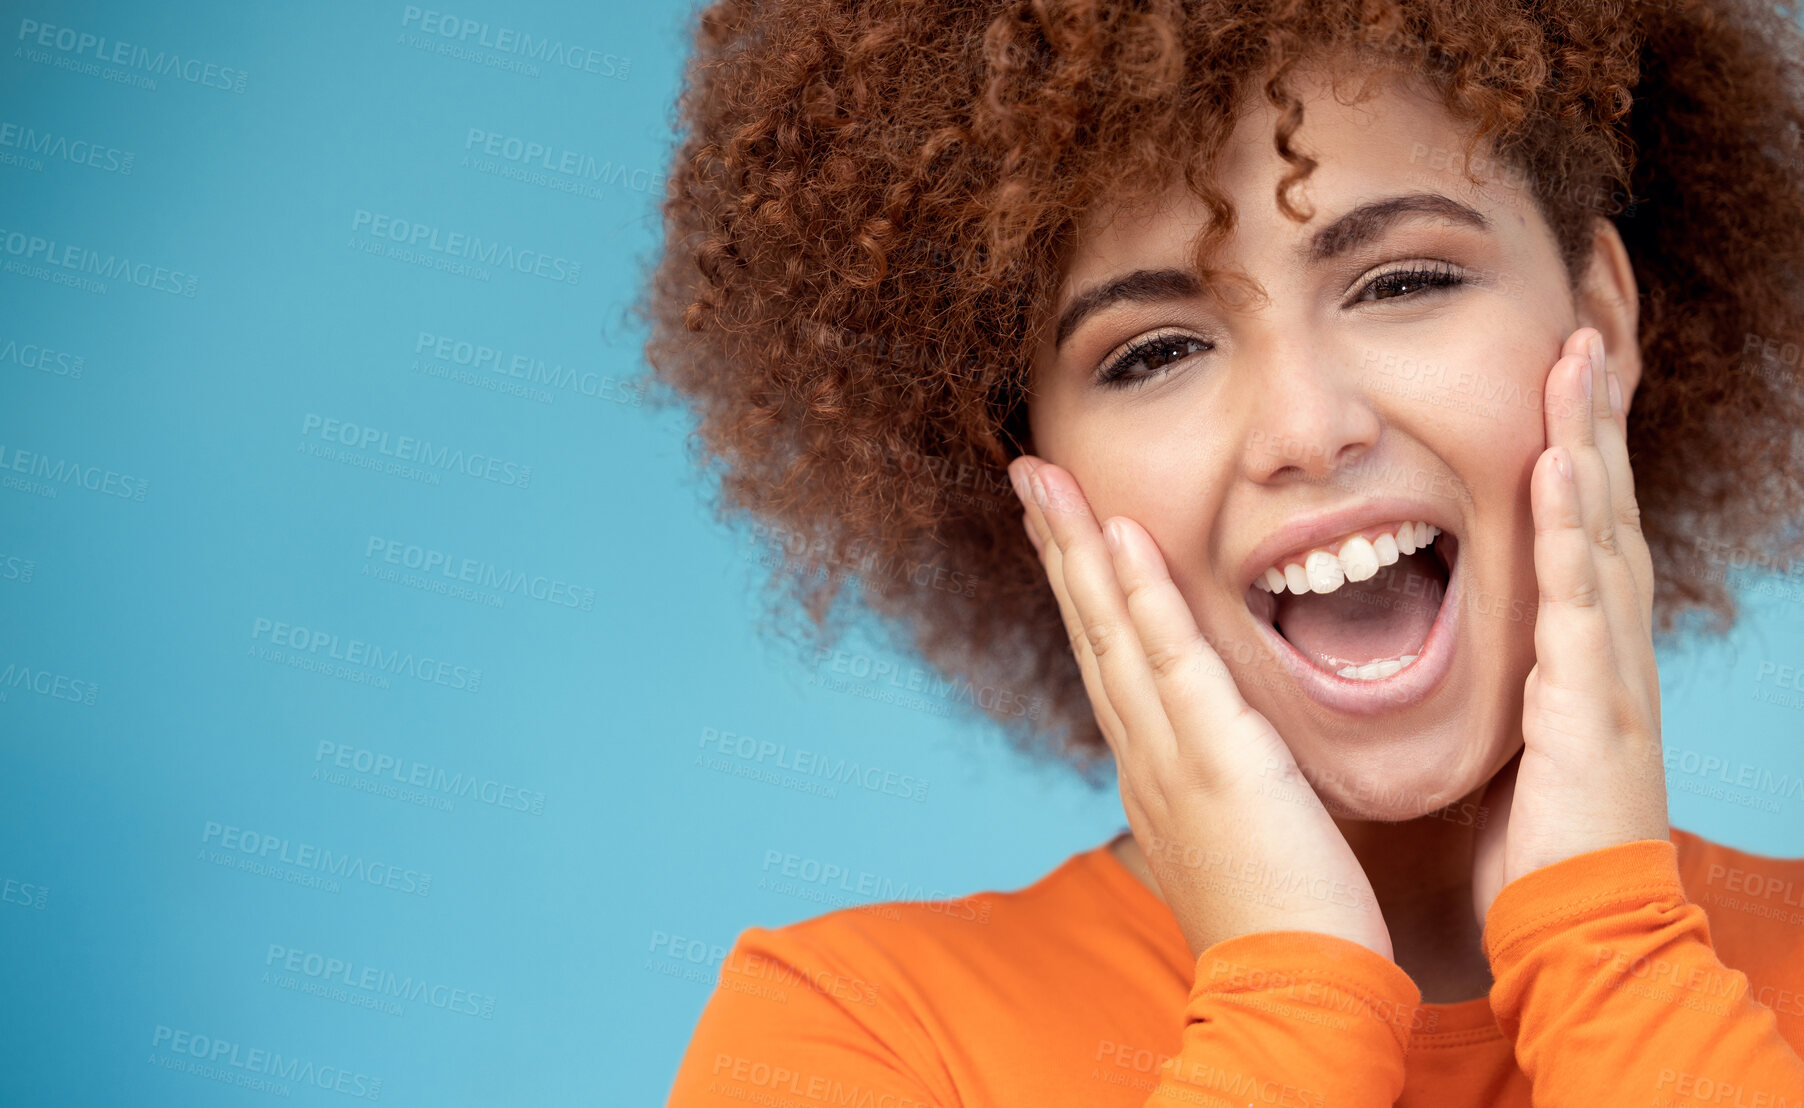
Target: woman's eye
1411 282
1158 355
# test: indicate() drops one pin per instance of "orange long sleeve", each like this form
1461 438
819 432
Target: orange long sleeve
1297 1019
1606 979
790 1023
1079 991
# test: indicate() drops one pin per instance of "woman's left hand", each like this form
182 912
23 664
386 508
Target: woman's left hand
1590 774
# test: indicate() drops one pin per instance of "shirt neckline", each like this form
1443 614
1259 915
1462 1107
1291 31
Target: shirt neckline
1466 1019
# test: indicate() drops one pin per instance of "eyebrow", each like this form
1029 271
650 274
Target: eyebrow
1349 232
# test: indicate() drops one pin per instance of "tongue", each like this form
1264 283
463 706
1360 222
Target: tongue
1386 616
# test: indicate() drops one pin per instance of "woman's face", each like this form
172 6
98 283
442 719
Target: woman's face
1392 374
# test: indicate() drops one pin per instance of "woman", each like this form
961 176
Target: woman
1316 343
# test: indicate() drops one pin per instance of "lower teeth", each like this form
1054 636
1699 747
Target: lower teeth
1372 671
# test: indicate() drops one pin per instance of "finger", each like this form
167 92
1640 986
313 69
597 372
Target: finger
1600 468
1108 629
1625 509
1052 559
1613 443
1572 630
1198 693
1580 419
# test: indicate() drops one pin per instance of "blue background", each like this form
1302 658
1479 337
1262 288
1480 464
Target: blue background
159 707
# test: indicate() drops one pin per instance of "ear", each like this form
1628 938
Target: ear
1608 299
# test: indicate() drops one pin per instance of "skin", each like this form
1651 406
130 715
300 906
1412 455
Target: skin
1405 824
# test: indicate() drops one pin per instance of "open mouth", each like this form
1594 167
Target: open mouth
1367 620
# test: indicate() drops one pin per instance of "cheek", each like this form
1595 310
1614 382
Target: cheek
1467 390
1173 493
1155 468
1502 428
1476 403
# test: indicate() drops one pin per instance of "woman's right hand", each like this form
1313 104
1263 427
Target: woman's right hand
1235 836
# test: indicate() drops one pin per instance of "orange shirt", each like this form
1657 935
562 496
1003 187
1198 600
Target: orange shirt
1651 974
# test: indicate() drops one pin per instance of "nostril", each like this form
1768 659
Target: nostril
1309 463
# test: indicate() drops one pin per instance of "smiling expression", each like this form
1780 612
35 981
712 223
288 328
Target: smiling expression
1391 373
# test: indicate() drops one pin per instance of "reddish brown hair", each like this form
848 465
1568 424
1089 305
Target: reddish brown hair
872 200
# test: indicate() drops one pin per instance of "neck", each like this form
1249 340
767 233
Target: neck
1421 875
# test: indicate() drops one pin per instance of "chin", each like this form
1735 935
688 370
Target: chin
1406 778
1366 771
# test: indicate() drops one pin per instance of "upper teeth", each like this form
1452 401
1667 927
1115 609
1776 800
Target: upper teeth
1358 558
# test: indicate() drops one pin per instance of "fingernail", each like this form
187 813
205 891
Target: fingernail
1596 346
1014 478
1038 486
1562 463
1615 395
1111 534
1585 379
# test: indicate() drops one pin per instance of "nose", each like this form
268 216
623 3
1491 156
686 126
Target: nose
1308 417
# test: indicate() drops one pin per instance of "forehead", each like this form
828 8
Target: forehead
1401 139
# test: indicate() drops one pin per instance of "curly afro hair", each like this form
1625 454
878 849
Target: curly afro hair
871 202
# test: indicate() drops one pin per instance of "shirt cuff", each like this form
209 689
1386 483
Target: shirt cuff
1584 886
1314 977
1545 925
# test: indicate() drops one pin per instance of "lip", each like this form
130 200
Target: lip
1408 686
1307 532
